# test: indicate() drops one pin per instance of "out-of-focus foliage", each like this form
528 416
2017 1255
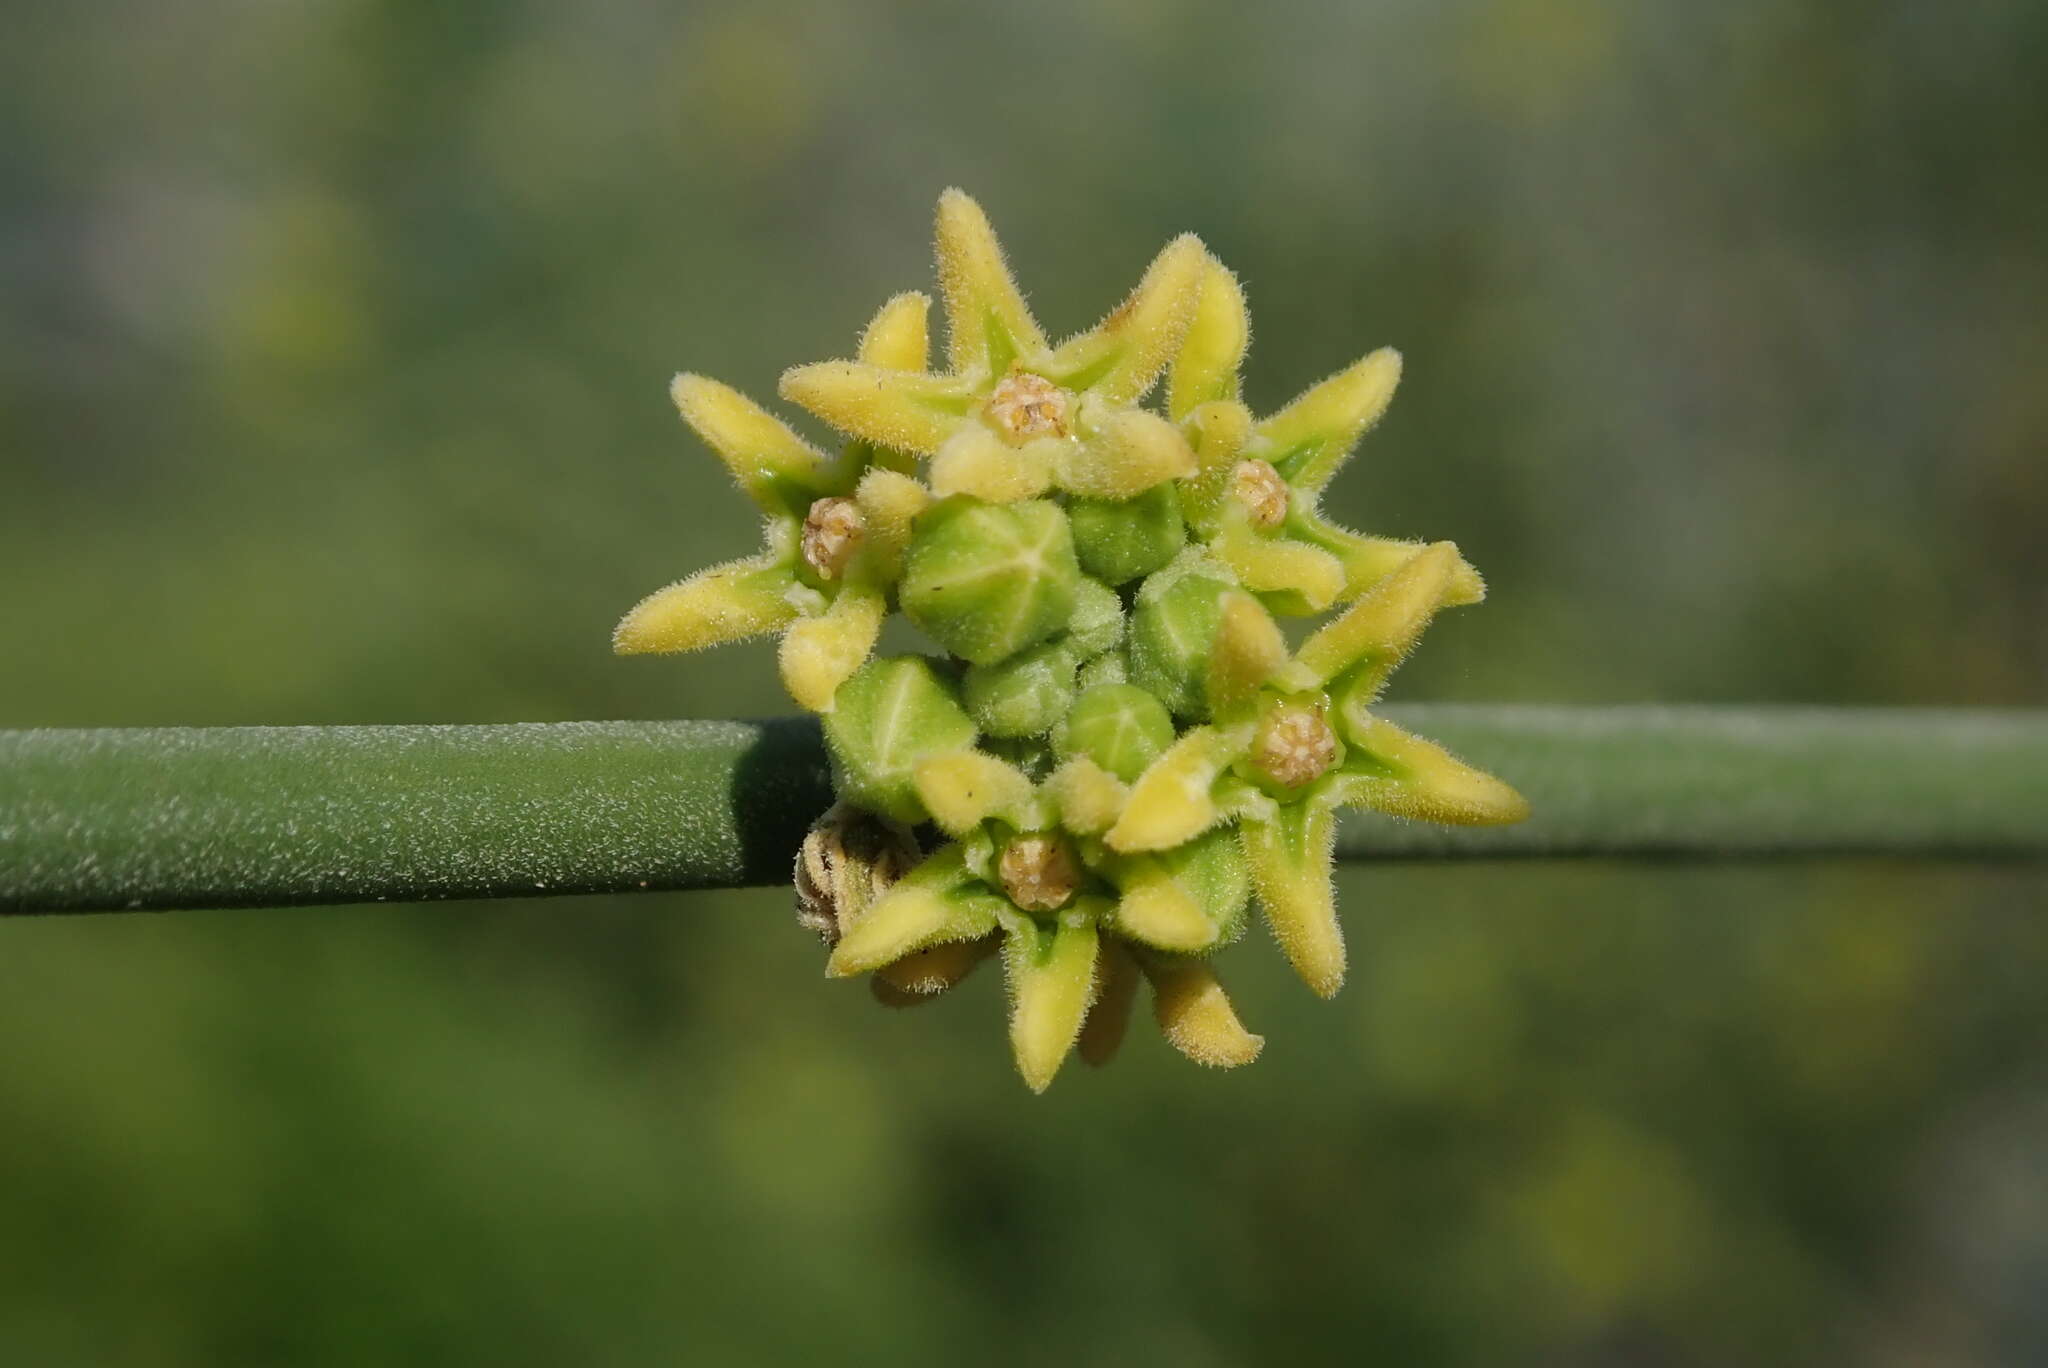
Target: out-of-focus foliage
334 341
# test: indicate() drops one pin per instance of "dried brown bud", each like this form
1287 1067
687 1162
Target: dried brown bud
832 533
1025 406
1295 745
849 859
1039 873
1259 488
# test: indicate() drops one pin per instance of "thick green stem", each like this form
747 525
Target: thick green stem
175 817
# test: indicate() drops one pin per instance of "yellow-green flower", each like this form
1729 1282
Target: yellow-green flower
1013 415
1256 501
833 545
1114 749
1293 739
1077 923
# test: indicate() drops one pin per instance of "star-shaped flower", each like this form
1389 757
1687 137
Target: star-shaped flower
1078 924
835 536
1014 416
1292 738
1256 502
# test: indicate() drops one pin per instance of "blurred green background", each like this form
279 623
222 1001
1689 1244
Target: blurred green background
333 346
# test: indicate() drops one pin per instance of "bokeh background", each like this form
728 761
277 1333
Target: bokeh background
334 338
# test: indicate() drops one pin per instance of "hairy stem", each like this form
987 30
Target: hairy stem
265 816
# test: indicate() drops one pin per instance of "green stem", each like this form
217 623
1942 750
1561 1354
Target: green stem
248 816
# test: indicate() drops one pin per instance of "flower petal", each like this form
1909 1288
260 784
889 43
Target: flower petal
1051 972
988 324
1171 802
937 902
1120 357
818 654
1290 857
899 338
964 788
779 470
728 602
1383 625
1116 991
924 974
1195 1015
907 410
1206 369
1312 437
1390 770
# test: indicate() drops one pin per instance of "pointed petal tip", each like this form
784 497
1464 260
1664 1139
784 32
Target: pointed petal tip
898 337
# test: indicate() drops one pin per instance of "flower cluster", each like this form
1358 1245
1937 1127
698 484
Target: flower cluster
1118 750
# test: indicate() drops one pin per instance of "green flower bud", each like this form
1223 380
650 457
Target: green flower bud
890 714
1097 623
987 580
1119 542
1173 632
1108 668
1024 694
1118 726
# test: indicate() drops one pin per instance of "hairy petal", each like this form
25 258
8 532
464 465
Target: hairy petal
898 338
779 470
1312 437
1120 357
1206 369
988 324
1172 802
1116 991
728 602
937 902
1195 1015
1380 629
1390 770
906 410
1051 972
818 654
1290 856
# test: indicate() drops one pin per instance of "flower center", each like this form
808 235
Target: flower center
1038 873
1295 745
1259 488
832 533
1025 406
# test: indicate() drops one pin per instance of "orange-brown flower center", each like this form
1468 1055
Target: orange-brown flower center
1039 873
1295 745
1259 488
832 533
1025 406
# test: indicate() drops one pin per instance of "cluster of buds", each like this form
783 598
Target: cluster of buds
1118 751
